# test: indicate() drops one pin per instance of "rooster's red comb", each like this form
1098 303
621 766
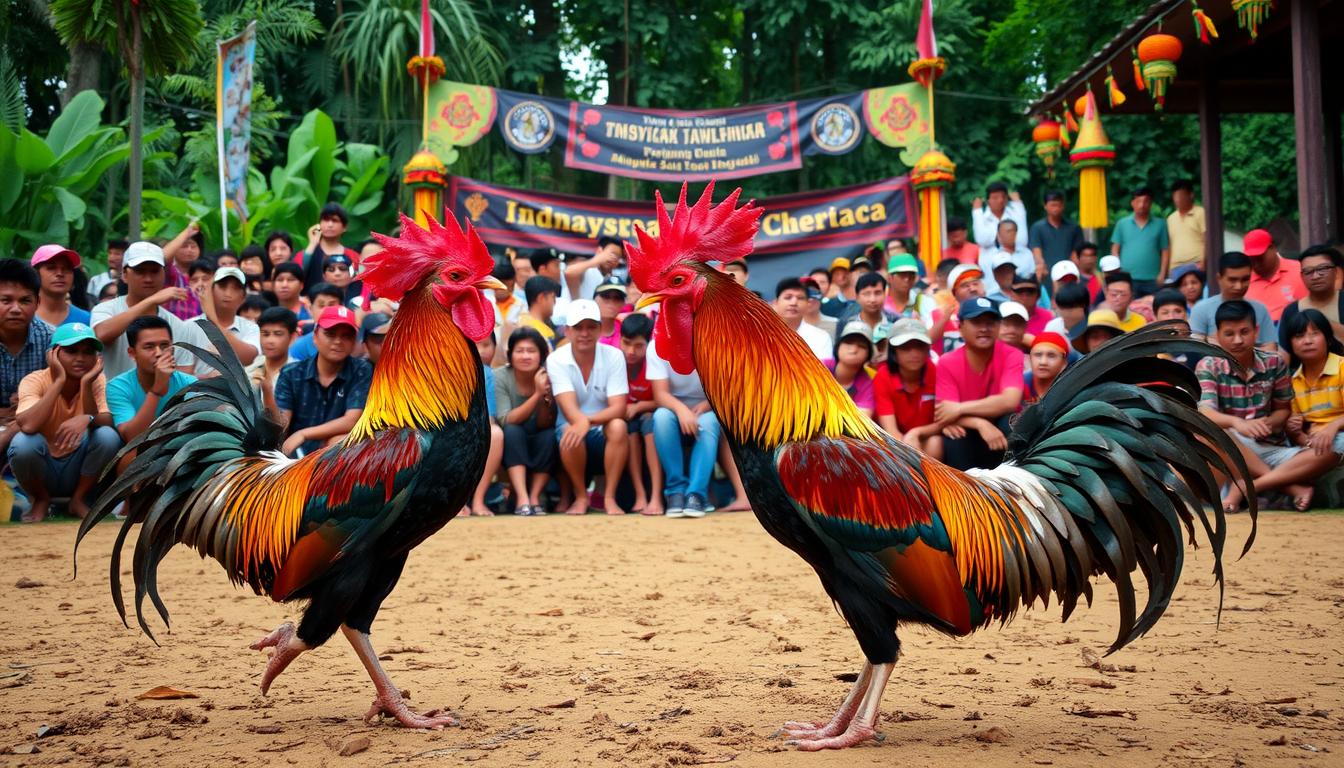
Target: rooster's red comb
703 232
421 253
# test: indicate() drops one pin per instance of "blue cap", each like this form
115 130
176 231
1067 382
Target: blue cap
70 334
977 306
1182 271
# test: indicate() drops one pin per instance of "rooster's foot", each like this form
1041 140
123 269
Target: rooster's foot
857 733
394 706
287 647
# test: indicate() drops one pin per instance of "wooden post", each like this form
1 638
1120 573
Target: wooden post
1310 123
1211 172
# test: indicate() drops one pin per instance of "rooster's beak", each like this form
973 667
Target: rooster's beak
491 284
649 300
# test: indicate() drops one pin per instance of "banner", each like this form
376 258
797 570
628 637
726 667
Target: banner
233 120
676 145
836 220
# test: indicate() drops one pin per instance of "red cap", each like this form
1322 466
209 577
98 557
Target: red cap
48 252
1053 339
334 316
1256 242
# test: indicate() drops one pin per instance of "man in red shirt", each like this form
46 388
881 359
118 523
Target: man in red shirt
979 385
1276 282
959 247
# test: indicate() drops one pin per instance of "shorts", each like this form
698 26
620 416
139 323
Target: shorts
1271 453
643 424
595 442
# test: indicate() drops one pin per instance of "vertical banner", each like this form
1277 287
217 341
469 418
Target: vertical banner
233 121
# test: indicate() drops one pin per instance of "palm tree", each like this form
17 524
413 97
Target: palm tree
155 38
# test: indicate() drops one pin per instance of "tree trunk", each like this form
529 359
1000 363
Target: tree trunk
748 53
137 67
84 72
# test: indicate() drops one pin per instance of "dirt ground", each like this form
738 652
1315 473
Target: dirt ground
636 642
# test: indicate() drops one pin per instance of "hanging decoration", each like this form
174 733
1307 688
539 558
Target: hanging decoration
1203 24
425 172
1069 122
1092 154
1158 54
1251 14
1138 69
1046 136
1064 140
1114 95
1080 103
933 171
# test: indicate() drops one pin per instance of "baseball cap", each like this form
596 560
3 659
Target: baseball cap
580 310
839 263
375 324
856 328
339 258
906 330
142 252
611 283
334 316
1099 318
224 273
1109 263
902 262
1025 281
71 334
1180 272
1001 259
1014 309
1256 242
1051 339
48 252
862 262
1064 270
975 307
965 272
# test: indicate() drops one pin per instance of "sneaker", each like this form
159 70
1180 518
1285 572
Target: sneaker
695 506
676 505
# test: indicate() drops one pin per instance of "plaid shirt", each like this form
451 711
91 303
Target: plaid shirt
33 357
1249 398
298 391
184 308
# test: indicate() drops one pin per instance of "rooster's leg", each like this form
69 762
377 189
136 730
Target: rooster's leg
806 731
389 701
864 724
287 647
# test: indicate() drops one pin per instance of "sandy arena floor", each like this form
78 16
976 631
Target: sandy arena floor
640 642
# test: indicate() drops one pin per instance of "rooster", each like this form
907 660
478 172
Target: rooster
332 528
1099 479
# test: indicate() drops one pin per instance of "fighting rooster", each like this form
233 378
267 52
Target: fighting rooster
332 528
1101 474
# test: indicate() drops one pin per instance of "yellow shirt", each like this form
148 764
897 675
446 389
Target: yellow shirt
1320 401
546 331
1186 233
36 384
1132 321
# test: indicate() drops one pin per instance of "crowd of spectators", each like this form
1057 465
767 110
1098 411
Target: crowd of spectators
584 411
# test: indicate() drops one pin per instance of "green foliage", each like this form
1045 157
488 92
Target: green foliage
13 111
1259 170
170 28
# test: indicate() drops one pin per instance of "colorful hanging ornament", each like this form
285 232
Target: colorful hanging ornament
1251 13
1138 69
1114 95
424 174
1046 137
1080 104
1159 53
1064 140
1092 154
1069 122
1203 24
933 172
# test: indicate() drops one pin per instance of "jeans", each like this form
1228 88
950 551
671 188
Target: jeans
36 469
686 477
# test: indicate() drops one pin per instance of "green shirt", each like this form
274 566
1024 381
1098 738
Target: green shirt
1141 247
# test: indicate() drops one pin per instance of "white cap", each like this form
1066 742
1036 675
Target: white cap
142 252
1013 308
1001 259
962 269
580 310
1109 263
1064 269
223 273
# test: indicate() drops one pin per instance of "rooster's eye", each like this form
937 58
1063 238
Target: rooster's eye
678 280
455 276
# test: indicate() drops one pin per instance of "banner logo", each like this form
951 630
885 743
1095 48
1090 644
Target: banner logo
835 129
529 126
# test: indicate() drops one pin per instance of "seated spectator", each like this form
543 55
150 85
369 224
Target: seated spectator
1063 273
820 276
66 434
136 397
252 261
853 352
145 295
1318 392
967 283
1119 295
522 272
1027 292
812 314
372 331
903 299
1008 249
582 276
287 284
790 299
338 270
1013 329
107 293
870 291
610 298
279 247
1320 270
1049 356
940 285
276 329
324 240
737 269
320 399
56 265
253 305
1102 325
526 411
116 249
636 333
225 257
181 253
1004 271
588 380
1188 279
221 302
979 386
1253 404
200 274
841 291
1234 277
1088 268
1276 282
1071 305
321 297
542 294
24 342
1169 304
904 389
683 419
959 245
485 348
508 306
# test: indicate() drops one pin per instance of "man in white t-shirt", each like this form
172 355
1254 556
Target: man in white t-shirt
221 303
683 418
790 303
143 272
582 276
590 385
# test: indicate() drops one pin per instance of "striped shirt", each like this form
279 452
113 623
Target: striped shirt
32 357
1320 401
1245 398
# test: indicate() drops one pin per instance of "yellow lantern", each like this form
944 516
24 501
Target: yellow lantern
1157 57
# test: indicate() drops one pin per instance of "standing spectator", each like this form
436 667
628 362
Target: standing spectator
279 248
905 387
1234 279
221 301
1102 325
967 283
1053 239
23 341
590 388
1027 292
841 292
276 329
582 276
225 257
1276 282
979 385
903 300
320 399
610 294
66 434
1071 304
324 241
546 263
869 309
959 247
1320 270
136 397
542 296
199 276
372 332
1088 268
338 270
1049 355
791 298
1185 226
1007 245
683 418
180 253
56 265
320 297
738 270
526 411
116 249
253 263
821 277
522 272
508 307
636 333
1141 244
287 285
144 274
853 352
1003 206
812 313
1119 295
1189 280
